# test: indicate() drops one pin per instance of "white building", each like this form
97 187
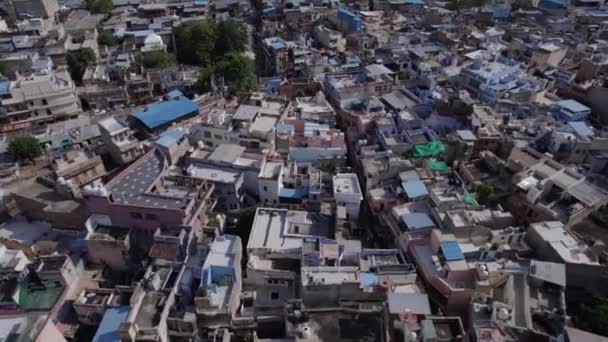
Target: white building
347 193
270 182
275 252
329 38
119 140
12 259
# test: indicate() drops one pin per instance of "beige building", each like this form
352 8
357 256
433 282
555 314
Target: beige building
39 99
119 141
79 167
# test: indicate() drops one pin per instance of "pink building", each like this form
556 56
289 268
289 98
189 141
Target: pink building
441 263
145 197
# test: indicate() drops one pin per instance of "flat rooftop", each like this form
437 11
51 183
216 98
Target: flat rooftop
112 126
569 248
271 170
226 153
281 229
346 183
213 174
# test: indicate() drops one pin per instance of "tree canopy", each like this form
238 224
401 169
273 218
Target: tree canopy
78 61
25 147
593 316
237 70
106 38
158 59
99 6
203 42
217 48
484 192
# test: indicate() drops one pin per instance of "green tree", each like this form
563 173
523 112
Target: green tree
24 147
195 42
99 6
158 59
238 72
106 38
242 228
78 61
233 38
484 192
593 316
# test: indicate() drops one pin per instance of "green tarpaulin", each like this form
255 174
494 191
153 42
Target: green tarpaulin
470 199
429 149
436 165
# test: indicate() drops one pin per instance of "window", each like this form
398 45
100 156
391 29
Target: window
265 188
151 217
207 134
274 295
135 215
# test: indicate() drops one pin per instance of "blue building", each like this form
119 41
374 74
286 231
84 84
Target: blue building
570 110
348 21
491 80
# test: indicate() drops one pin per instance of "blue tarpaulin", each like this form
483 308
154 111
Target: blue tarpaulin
109 328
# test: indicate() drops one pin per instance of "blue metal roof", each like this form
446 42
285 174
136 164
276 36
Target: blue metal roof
169 138
451 251
573 106
161 113
415 221
201 2
5 87
415 188
108 330
581 128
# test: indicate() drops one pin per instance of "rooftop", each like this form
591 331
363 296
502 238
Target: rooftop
108 330
280 229
213 174
226 153
573 106
143 184
162 113
169 138
563 242
112 126
271 170
347 183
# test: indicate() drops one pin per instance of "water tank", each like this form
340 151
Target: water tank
503 314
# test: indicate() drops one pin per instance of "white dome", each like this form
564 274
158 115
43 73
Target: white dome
153 39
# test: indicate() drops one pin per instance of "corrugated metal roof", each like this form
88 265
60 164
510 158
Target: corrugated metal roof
162 113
